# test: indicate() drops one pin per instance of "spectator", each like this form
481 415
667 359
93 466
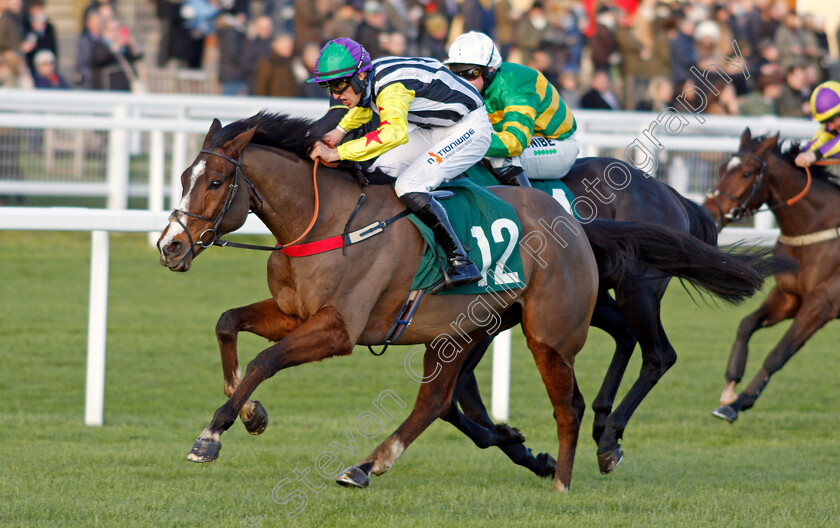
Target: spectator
36 24
344 21
230 34
633 54
84 50
373 33
11 32
762 101
660 95
308 23
793 101
683 54
45 75
179 45
760 23
600 96
568 89
113 58
531 29
788 40
107 9
275 76
602 41
254 49
304 69
432 42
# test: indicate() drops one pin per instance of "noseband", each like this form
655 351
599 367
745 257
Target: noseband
741 208
203 241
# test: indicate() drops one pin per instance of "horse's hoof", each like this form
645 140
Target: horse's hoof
509 435
547 466
204 450
354 477
725 412
257 421
610 460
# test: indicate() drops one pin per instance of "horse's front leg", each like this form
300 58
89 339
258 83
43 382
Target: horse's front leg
321 336
264 319
776 307
433 400
817 309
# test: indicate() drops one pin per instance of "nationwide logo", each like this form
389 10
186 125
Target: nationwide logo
438 157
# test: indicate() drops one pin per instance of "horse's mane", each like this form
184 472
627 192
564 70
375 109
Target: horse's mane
789 155
295 134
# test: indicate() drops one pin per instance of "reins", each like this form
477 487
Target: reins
741 210
292 249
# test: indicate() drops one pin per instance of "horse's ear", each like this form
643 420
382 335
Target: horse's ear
214 127
235 146
765 147
745 138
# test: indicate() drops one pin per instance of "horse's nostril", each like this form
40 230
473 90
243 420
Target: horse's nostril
172 247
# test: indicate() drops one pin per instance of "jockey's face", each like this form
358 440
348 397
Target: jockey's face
474 76
833 124
348 96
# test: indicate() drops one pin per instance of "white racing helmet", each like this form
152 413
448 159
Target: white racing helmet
474 48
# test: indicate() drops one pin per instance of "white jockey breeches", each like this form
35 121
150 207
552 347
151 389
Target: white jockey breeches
435 155
544 159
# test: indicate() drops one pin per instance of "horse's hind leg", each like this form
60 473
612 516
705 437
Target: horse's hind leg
433 401
609 318
776 307
469 398
640 306
817 309
484 434
264 319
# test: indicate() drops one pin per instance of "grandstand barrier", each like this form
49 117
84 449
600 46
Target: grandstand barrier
102 221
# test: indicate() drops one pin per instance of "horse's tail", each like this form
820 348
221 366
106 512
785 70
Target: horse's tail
621 247
701 223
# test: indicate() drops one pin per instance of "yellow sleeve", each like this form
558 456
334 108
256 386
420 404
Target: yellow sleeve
355 118
393 103
824 142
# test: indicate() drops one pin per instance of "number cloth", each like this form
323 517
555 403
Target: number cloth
487 225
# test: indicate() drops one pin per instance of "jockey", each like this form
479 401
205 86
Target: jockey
825 108
534 128
433 126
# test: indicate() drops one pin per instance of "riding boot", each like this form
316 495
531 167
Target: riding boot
512 175
461 269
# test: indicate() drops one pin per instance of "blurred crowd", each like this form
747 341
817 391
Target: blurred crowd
607 54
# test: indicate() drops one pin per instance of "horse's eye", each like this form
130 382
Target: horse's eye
215 184
746 175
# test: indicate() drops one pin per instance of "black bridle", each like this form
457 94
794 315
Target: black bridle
203 242
742 208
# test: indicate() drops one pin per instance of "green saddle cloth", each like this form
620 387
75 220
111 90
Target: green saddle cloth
556 188
490 231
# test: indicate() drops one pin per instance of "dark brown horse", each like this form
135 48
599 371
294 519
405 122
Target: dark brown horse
807 209
624 193
324 304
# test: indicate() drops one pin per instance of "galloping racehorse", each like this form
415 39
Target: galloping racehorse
324 304
807 209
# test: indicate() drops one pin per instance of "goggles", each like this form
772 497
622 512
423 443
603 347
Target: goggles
337 86
471 74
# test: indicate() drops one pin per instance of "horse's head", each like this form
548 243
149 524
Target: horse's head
215 201
742 182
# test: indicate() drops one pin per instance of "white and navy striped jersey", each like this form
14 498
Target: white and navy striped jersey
403 91
441 98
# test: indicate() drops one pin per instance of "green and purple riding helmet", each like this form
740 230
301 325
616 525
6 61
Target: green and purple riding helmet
339 63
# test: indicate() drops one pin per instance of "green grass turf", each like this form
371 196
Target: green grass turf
776 466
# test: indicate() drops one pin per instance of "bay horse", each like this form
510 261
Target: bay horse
324 304
807 210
